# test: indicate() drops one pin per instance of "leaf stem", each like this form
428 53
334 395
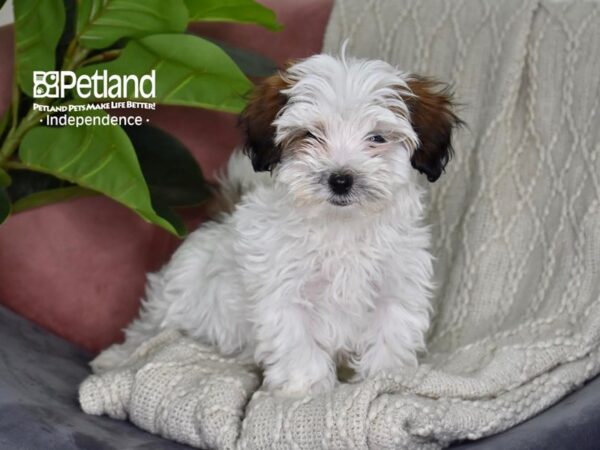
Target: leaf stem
104 56
15 165
16 96
74 56
11 143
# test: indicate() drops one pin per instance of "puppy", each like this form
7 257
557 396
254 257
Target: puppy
325 255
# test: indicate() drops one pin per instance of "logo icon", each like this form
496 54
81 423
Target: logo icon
46 84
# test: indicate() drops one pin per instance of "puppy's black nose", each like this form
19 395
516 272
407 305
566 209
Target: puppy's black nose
341 183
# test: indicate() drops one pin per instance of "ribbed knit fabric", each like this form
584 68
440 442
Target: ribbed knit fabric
178 388
516 234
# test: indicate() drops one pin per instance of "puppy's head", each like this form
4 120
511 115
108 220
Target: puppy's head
348 132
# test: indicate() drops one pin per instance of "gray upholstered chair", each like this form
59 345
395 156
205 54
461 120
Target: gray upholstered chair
40 373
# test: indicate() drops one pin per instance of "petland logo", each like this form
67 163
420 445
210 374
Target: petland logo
56 83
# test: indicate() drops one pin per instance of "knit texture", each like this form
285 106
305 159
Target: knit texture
516 237
178 388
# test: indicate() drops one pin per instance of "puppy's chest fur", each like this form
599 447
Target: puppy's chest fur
345 272
342 290
333 270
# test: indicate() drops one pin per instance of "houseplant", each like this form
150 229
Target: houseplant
141 167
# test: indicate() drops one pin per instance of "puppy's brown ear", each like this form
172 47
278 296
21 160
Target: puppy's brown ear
257 119
433 119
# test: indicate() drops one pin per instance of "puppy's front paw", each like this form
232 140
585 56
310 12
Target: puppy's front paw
297 388
382 358
302 380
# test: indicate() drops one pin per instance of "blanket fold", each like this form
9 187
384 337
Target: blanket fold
516 237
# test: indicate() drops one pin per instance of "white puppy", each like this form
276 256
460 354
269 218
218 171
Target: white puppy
325 255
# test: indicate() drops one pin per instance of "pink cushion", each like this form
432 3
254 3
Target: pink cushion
78 268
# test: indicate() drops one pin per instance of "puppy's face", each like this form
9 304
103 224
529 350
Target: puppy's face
347 133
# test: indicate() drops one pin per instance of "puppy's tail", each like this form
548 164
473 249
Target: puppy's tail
238 178
241 174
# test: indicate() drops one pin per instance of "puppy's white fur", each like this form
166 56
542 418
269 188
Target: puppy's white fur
296 277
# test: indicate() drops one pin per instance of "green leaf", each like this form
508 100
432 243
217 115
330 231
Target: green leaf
101 23
39 24
244 11
171 172
69 30
95 157
169 215
44 198
252 64
190 71
4 206
27 182
5 179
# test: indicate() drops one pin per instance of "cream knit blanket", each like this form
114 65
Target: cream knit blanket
517 237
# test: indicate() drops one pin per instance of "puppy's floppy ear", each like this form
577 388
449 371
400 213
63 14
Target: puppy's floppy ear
433 119
257 122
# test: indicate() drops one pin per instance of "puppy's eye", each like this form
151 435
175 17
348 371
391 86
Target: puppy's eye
377 139
309 135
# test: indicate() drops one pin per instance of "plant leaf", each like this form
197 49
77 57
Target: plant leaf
171 172
39 25
69 30
5 179
43 198
244 11
252 64
190 71
101 23
168 214
4 206
97 157
27 182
